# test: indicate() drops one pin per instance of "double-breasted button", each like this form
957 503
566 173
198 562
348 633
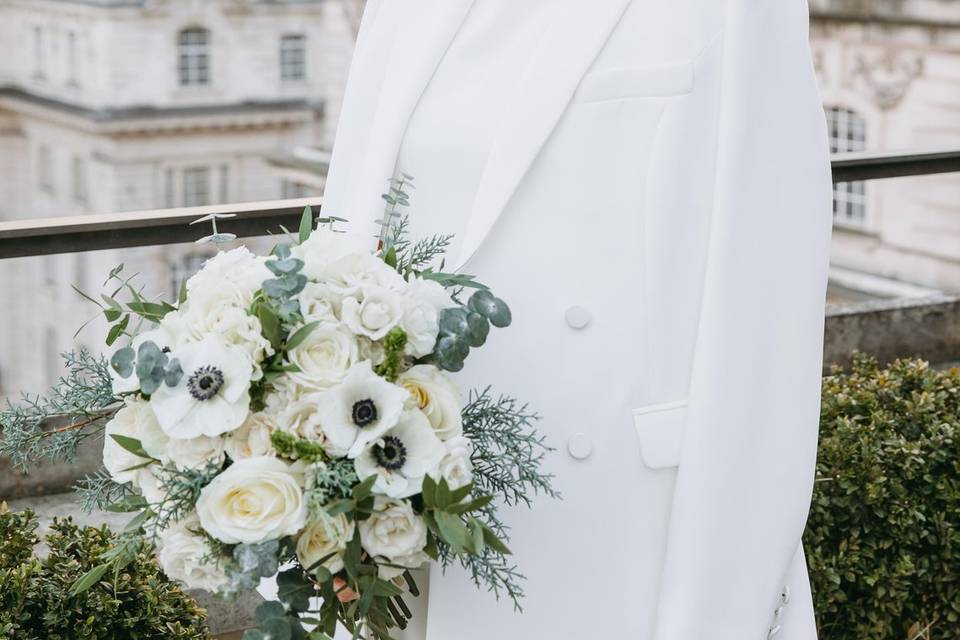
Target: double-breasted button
580 446
578 317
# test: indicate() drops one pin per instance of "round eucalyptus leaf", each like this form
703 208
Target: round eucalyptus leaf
477 329
500 316
483 302
122 362
450 353
453 321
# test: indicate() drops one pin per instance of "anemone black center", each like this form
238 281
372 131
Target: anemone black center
390 453
364 413
205 382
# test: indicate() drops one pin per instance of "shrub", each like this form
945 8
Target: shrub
883 539
36 603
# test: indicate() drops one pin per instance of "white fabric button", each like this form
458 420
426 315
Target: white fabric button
774 632
785 595
578 317
580 446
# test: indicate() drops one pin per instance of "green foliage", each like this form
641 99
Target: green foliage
53 426
280 293
393 358
290 446
329 481
36 601
883 538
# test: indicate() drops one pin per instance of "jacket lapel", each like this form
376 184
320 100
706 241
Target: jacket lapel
568 49
424 31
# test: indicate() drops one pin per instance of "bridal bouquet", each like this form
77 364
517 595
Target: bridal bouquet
295 412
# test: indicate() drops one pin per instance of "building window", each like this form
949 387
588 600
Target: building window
79 179
45 169
169 189
196 187
73 60
848 132
39 53
193 46
224 183
293 57
185 267
52 365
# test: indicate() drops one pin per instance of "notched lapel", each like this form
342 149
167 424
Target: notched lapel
569 47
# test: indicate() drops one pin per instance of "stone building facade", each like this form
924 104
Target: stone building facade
128 105
890 79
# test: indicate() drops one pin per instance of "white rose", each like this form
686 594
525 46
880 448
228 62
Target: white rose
319 302
320 539
196 453
252 438
428 292
324 357
456 467
421 322
134 420
436 396
254 500
379 311
324 247
283 392
396 534
187 557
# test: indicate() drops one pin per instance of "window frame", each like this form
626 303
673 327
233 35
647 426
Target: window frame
847 130
293 59
194 57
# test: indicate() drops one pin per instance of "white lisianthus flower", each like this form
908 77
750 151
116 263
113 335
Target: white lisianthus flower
239 267
436 396
185 556
324 357
324 247
196 453
253 500
421 323
252 438
396 534
302 418
283 392
357 271
359 410
319 302
456 466
375 314
134 420
401 457
320 539
212 396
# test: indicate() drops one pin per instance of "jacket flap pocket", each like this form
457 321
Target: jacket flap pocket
652 81
660 428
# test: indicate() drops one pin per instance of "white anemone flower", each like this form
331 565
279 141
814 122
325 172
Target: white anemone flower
402 456
213 394
359 410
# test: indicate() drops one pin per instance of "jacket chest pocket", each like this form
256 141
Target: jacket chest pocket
660 430
626 83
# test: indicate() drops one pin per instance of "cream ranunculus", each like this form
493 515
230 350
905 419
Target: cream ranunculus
185 555
320 539
212 396
456 466
134 420
396 534
252 438
436 396
324 357
375 314
196 453
254 500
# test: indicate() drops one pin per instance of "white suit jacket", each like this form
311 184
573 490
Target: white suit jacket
656 209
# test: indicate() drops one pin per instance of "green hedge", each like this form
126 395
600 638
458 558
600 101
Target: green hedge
883 540
35 601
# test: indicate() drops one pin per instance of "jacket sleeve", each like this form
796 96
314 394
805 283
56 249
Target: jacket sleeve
746 471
